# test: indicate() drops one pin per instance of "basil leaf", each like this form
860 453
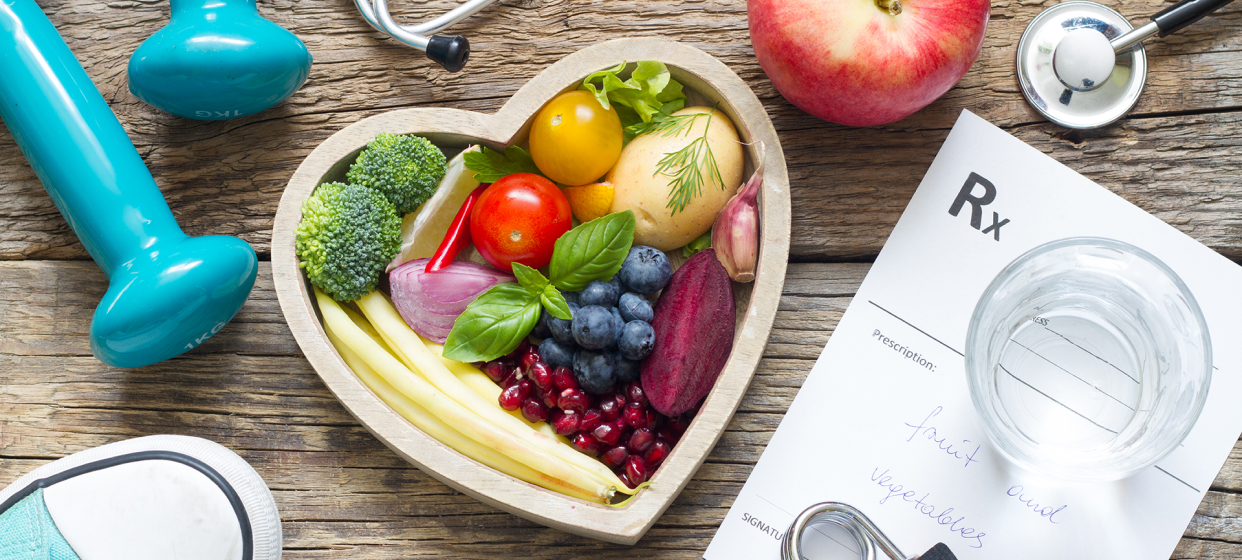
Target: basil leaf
494 324
592 251
489 165
555 303
529 277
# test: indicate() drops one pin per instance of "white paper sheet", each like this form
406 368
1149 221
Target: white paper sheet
858 431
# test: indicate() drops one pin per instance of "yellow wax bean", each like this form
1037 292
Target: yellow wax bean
521 449
410 348
436 428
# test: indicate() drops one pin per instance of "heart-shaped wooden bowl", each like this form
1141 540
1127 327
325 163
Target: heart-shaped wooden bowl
452 129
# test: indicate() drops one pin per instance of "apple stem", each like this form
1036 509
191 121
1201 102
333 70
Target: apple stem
893 7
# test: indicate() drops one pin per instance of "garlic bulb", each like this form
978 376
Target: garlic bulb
735 235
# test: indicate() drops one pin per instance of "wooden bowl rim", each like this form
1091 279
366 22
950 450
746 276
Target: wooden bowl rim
623 525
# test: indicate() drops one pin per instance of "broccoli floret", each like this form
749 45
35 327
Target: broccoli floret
347 236
405 168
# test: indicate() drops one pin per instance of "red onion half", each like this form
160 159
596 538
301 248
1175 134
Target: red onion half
430 301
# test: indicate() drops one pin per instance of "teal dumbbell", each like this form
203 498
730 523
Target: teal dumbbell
167 292
218 59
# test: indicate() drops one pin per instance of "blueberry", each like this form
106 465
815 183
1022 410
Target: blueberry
635 307
541 329
571 297
599 293
637 340
646 270
593 327
557 354
561 329
595 371
627 370
617 284
618 323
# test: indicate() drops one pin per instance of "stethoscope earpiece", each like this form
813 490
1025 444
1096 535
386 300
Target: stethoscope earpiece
449 52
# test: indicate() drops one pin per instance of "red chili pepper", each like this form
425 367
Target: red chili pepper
458 235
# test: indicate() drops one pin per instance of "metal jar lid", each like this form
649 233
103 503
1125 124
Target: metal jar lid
1045 92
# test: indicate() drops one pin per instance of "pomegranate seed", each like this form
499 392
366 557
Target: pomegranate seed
540 374
511 398
620 398
515 375
529 359
609 408
549 397
521 350
586 443
621 475
563 378
533 410
624 428
653 418
495 370
573 399
640 441
636 469
565 423
635 415
615 457
607 434
591 419
658 452
635 392
679 424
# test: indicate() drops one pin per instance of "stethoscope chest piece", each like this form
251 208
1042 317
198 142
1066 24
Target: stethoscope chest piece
1067 89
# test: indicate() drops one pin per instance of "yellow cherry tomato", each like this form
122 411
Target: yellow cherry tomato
574 140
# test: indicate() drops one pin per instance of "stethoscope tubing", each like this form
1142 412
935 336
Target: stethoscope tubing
865 532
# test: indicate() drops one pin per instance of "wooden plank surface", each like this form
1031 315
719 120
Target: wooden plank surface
343 493
1176 156
340 492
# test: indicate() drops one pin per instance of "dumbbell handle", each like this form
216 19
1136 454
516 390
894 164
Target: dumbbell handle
167 292
75 144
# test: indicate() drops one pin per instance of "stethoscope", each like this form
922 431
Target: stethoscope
1082 65
449 52
858 525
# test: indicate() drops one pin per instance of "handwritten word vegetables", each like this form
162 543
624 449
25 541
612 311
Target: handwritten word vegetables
694 322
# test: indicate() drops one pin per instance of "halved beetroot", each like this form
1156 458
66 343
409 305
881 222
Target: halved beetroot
693 335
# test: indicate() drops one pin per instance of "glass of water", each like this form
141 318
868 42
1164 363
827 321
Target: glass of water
1088 359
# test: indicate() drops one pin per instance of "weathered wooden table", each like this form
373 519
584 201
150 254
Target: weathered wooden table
343 494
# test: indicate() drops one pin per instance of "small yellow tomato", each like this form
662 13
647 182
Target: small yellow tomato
574 140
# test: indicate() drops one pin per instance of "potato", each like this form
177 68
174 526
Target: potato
639 187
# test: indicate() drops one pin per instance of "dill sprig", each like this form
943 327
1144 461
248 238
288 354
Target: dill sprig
686 166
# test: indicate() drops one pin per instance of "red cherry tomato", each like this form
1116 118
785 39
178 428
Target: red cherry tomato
518 219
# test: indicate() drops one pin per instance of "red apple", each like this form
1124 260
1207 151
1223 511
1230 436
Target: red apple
866 62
